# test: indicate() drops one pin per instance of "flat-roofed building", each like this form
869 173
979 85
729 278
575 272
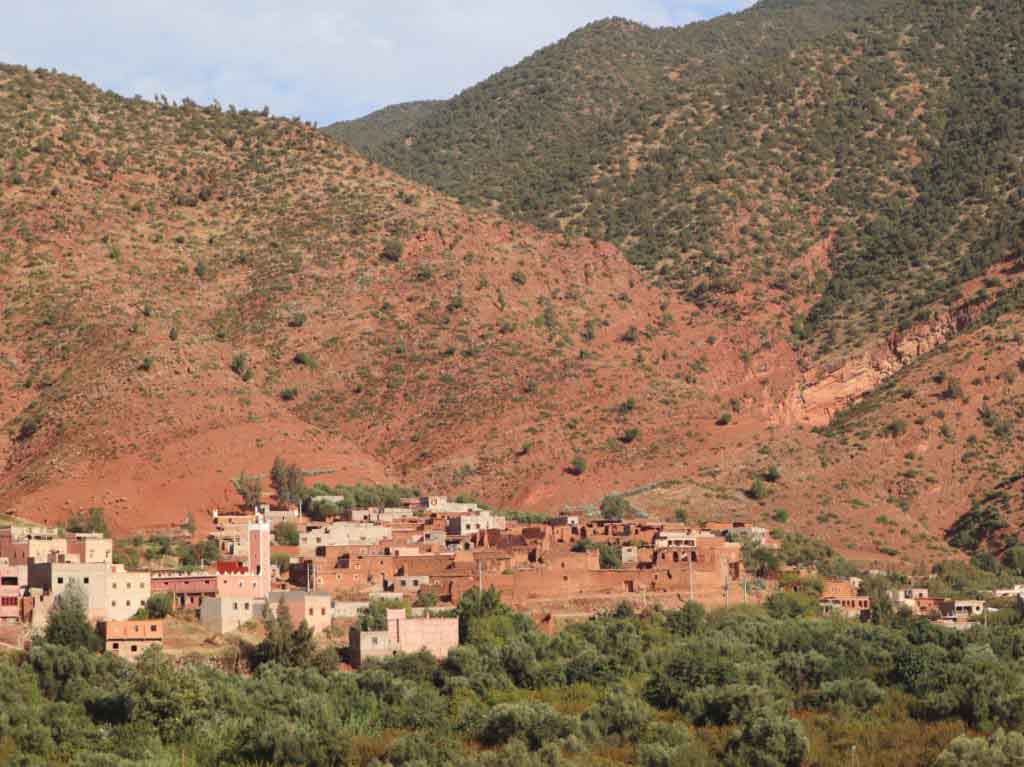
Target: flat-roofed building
129 639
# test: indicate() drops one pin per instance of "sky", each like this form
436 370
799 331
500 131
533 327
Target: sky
322 60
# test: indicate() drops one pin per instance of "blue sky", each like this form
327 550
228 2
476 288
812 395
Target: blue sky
322 60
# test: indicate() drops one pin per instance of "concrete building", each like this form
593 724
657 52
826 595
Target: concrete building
406 635
23 545
314 608
13 585
112 593
129 639
342 534
222 615
473 521
89 548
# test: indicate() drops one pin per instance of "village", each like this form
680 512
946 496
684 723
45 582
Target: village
421 557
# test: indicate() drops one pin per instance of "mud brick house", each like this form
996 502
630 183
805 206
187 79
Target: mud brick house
404 635
129 639
842 597
187 589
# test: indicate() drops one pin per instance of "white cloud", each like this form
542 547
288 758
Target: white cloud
321 59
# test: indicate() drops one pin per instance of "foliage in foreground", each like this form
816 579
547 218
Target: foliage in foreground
733 687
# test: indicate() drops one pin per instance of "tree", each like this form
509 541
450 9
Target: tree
1001 749
91 521
758 490
286 534
160 605
68 623
285 644
768 740
287 480
250 487
615 506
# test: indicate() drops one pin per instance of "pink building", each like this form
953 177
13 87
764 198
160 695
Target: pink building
316 609
403 634
13 581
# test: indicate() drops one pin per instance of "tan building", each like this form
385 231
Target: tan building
342 534
222 615
89 548
112 593
23 545
129 639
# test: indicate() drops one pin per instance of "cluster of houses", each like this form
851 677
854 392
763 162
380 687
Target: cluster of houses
432 551
428 552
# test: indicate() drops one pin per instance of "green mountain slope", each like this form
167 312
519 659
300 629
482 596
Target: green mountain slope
853 162
376 129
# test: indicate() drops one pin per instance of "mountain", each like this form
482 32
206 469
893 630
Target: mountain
388 124
189 291
844 180
850 163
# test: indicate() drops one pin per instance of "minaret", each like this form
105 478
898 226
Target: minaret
259 556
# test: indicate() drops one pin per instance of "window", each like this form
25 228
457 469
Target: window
311 612
113 603
236 606
117 645
113 585
152 627
323 611
60 579
85 580
9 601
9 580
135 648
246 605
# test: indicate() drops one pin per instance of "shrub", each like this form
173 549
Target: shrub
91 521
860 694
304 358
518 278
146 364
758 490
578 465
250 487
768 740
630 435
773 474
240 364
724 419
895 428
681 515
535 723
160 605
286 534
393 250
289 394
780 515
297 320
28 427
